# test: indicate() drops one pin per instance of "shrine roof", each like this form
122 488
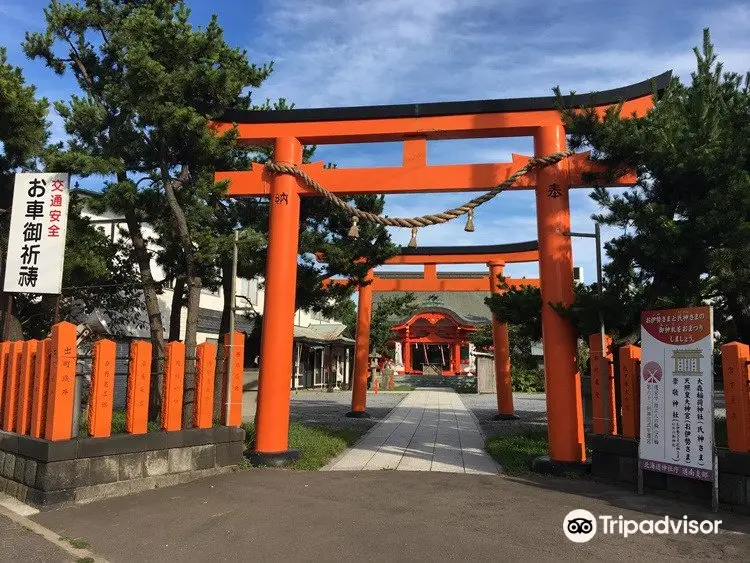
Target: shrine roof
467 306
435 109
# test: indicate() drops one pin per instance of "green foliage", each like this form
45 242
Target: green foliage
317 444
515 452
686 224
118 423
345 311
23 125
520 307
389 308
98 275
527 380
482 338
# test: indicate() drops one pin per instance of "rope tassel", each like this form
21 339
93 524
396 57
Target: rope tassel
354 230
469 228
413 240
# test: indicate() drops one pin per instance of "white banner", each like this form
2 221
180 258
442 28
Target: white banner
36 242
677 390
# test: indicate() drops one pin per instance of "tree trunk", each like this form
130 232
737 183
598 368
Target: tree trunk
156 326
175 315
226 284
191 332
193 287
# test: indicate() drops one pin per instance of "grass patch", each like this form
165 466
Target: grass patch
118 423
404 387
78 543
515 452
317 444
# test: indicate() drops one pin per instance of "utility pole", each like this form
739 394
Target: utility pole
597 236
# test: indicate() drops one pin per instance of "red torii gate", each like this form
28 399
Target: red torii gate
495 256
415 124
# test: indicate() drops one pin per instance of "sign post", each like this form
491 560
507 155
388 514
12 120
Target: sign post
36 243
677 411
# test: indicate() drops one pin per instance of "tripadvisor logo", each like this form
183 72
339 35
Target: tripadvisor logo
581 525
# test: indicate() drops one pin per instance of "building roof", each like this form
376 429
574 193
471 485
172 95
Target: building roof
323 333
209 320
467 306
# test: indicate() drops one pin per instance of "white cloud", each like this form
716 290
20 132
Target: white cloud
395 51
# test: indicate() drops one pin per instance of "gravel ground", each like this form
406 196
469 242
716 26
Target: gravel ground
532 408
328 409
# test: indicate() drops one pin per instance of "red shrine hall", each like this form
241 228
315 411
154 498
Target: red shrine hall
434 342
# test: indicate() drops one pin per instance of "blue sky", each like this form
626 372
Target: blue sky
341 53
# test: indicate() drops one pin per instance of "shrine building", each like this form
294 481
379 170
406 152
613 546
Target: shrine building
434 339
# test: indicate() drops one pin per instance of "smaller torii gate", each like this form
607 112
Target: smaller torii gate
494 256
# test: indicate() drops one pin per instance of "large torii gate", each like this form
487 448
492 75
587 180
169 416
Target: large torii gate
415 124
494 256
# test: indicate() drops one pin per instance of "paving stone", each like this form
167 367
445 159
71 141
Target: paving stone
430 430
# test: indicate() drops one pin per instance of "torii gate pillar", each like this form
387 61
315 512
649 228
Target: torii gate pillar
271 445
562 378
362 350
501 345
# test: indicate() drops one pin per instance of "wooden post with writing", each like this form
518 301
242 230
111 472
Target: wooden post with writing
597 348
11 386
102 387
237 357
139 379
205 369
174 372
39 392
736 371
4 354
25 386
630 390
62 375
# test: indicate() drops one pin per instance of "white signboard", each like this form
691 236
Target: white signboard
677 411
36 242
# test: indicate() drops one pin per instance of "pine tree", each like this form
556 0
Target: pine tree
686 225
151 83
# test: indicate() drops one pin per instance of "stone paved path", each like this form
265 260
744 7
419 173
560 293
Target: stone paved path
430 430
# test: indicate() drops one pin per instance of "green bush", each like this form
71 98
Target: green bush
527 380
466 385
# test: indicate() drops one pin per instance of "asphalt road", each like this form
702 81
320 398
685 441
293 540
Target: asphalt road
20 545
276 515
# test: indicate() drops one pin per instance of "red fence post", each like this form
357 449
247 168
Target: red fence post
25 386
4 357
41 385
237 357
174 373
11 386
597 348
630 391
205 369
62 376
102 387
736 371
139 379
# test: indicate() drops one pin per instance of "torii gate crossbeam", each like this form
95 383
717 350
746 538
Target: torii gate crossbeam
414 124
